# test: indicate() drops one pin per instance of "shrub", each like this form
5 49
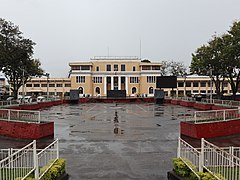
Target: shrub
56 171
181 168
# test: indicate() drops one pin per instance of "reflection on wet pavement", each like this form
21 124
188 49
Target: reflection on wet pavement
116 141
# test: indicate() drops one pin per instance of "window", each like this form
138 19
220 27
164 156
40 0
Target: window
155 67
134 68
195 84
133 79
203 84
188 84
51 85
150 90
59 85
36 85
80 79
43 85
28 85
151 79
123 68
108 67
115 67
97 79
80 90
67 85
134 90
85 67
75 67
97 90
97 68
180 84
146 67
225 84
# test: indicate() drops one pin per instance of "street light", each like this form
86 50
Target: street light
47 75
23 84
211 85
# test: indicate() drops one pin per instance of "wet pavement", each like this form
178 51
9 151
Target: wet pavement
114 141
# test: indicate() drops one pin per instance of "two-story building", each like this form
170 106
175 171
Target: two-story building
100 74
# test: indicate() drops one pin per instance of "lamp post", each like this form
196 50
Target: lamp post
23 84
47 74
211 85
185 76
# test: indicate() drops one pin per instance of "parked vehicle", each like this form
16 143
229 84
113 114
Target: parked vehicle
10 98
41 99
20 99
27 99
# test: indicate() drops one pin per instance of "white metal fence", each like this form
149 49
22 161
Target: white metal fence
219 162
223 163
221 102
214 116
8 103
20 163
20 115
189 155
46 157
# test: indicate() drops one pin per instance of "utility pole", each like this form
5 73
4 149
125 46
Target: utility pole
47 74
211 85
23 93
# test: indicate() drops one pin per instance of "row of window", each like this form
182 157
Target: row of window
196 84
134 80
98 90
115 67
49 85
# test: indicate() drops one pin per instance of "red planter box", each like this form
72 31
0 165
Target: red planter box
176 102
187 103
26 130
210 130
202 106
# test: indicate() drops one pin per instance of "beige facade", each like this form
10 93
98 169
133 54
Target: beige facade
3 89
101 74
194 84
43 86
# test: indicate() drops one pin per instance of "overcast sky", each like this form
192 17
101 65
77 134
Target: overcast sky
77 30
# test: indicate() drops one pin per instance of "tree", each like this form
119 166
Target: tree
177 68
16 60
231 55
173 68
164 68
222 56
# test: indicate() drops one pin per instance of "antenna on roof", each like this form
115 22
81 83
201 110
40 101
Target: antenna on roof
108 51
140 49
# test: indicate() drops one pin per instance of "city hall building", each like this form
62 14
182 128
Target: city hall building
101 74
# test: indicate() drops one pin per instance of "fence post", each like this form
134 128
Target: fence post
35 161
57 149
224 115
201 156
179 148
9 115
10 160
231 152
39 117
195 117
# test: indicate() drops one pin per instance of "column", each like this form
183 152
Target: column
126 84
112 85
119 82
105 85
